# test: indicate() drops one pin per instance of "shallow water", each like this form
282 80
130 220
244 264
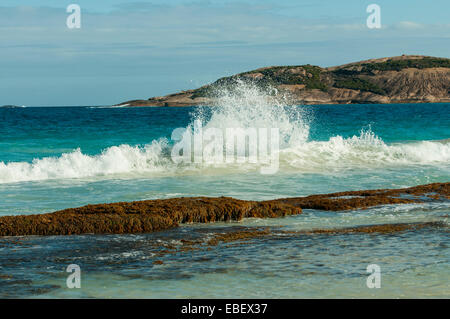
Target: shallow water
413 263
55 158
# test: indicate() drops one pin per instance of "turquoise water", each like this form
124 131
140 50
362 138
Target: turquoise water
55 158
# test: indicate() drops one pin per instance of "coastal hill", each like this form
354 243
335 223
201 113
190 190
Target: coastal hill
401 79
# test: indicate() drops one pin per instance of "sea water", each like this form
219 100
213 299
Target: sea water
53 158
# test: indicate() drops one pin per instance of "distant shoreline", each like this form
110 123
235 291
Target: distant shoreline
130 107
301 104
393 80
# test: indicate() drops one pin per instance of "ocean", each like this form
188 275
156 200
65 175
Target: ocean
53 158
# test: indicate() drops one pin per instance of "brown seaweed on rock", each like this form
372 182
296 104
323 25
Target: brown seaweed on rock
155 215
369 198
141 216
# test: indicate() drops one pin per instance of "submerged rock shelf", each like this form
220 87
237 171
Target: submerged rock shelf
155 215
242 235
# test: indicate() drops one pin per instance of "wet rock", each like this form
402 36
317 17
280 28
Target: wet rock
379 229
155 215
140 217
369 198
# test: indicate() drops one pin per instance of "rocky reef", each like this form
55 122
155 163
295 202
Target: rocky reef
155 215
369 198
238 236
141 216
401 79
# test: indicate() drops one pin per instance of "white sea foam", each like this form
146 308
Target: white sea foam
123 159
248 106
364 150
245 106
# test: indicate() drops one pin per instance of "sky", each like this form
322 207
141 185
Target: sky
138 49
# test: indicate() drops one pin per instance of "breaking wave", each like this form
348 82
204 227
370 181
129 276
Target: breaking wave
244 106
364 150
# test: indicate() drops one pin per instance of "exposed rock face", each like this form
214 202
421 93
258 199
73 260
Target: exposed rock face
402 79
155 215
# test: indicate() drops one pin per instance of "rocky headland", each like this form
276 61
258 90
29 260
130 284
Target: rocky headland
401 79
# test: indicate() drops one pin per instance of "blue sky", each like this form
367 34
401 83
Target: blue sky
126 50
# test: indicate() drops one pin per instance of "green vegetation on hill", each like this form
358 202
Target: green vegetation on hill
315 81
284 75
314 77
271 77
397 65
278 75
